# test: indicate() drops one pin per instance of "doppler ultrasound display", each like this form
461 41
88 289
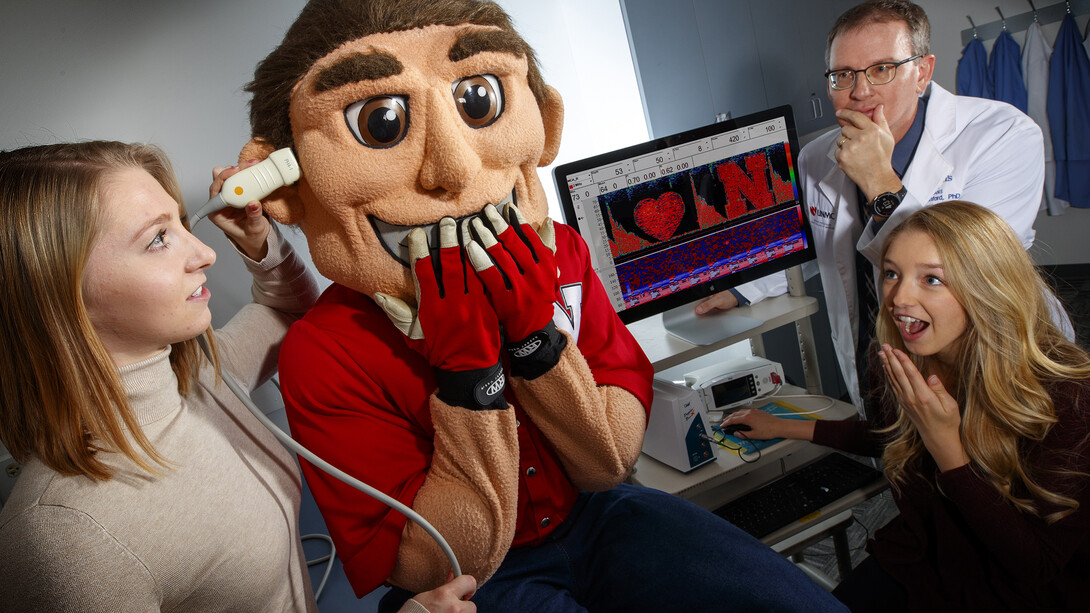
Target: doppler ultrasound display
705 209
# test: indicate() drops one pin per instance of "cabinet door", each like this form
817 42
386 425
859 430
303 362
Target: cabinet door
729 44
791 44
669 63
696 59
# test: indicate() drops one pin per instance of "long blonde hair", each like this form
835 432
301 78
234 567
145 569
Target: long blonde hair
1010 350
61 398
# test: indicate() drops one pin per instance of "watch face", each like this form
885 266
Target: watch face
885 203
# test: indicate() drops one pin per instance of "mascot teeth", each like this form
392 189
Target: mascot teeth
394 238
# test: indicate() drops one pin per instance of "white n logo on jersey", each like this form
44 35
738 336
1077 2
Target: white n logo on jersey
567 316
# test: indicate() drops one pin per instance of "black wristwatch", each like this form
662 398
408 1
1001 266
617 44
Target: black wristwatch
883 204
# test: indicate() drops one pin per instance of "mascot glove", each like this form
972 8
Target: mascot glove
518 268
453 325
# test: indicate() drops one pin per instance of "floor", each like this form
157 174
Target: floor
868 517
1070 282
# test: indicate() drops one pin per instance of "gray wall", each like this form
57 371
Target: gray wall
168 73
171 73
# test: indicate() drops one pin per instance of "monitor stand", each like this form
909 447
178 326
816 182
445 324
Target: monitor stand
708 329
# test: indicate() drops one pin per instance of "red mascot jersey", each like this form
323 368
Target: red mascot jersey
357 396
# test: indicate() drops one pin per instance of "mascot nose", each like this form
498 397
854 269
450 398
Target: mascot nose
450 162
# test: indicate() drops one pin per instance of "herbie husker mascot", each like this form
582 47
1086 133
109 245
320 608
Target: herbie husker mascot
466 359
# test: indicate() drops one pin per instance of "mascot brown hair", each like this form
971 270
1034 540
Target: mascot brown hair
466 360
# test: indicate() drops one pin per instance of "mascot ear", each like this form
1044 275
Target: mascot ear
552 114
284 204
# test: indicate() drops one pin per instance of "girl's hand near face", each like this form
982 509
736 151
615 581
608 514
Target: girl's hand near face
933 411
246 227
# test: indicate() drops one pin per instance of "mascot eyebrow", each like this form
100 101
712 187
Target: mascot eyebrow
358 67
377 65
501 41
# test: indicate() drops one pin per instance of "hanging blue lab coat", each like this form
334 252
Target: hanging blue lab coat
1005 69
1069 114
973 78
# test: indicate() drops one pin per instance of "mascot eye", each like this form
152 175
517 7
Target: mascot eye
479 100
378 122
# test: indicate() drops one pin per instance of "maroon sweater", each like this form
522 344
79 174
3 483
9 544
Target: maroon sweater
958 545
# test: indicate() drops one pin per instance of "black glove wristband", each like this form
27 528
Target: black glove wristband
480 389
536 354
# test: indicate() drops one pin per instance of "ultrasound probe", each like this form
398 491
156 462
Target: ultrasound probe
253 183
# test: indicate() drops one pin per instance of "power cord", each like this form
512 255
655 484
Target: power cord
866 530
740 449
331 557
741 435
831 403
290 443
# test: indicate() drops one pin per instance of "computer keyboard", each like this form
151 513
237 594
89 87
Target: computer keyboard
797 494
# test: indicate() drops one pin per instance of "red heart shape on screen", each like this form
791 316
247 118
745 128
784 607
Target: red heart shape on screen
660 217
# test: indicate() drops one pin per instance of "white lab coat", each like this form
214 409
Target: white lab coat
971 149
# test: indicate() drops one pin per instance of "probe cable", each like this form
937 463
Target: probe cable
291 443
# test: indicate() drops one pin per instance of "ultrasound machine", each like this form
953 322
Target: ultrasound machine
679 218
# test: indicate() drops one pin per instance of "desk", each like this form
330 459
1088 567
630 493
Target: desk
666 350
717 483
729 477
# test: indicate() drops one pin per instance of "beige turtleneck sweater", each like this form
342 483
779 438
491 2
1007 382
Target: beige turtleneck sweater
217 531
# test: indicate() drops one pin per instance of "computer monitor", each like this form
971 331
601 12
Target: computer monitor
681 217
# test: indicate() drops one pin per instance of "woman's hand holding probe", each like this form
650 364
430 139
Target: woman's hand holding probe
247 227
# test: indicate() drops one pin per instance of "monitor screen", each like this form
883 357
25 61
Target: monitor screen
682 217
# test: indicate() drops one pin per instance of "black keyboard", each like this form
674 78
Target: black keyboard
797 494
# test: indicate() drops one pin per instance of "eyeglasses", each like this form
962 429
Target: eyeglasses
877 74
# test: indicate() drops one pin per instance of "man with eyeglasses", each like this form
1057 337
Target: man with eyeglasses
902 143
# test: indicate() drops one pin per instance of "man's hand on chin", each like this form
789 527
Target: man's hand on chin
865 151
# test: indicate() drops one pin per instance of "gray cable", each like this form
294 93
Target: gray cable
289 442
214 204
328 558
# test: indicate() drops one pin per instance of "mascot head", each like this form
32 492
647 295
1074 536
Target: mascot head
401 113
